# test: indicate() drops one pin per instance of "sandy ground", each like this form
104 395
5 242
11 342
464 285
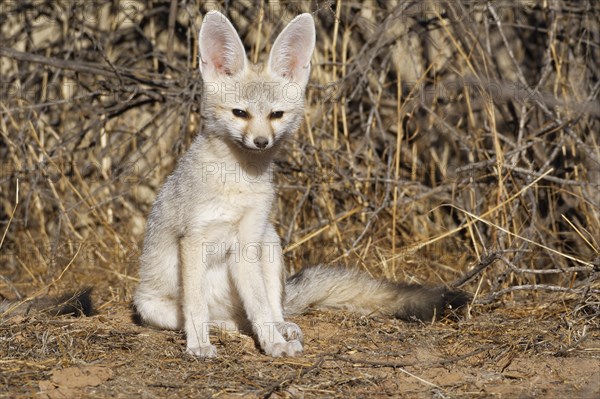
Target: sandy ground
507 352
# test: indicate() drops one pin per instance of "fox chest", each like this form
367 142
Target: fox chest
219 225
220 213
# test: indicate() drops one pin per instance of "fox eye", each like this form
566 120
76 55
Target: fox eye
240 113
276 114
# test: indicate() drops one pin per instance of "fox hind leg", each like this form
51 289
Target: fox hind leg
158 311
156 301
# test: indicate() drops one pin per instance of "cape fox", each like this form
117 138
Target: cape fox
211 257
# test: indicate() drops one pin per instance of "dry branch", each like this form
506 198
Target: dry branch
487 108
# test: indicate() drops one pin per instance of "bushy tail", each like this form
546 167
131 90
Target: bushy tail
354 290
77 304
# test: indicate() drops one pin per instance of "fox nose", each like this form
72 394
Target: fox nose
261 142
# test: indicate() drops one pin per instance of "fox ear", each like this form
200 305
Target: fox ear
221 50
293 48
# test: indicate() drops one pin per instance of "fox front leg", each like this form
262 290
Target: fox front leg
272 265
259 285
194 301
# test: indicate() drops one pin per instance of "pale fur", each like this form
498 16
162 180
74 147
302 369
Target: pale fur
211 257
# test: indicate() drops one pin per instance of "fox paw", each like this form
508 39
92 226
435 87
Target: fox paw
291 348
290 331
205 352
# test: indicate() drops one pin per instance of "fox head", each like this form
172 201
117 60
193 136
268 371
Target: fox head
254 106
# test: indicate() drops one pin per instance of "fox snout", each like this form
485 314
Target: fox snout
261 142
257 142
258 134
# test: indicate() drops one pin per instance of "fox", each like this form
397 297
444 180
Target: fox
211 257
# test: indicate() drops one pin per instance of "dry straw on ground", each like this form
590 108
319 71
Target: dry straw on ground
446 142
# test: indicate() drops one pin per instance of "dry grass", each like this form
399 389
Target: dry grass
445 143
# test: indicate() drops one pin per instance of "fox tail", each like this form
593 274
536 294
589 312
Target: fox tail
77 304
353 290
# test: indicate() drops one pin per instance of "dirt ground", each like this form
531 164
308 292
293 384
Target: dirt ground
441 139
513 351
